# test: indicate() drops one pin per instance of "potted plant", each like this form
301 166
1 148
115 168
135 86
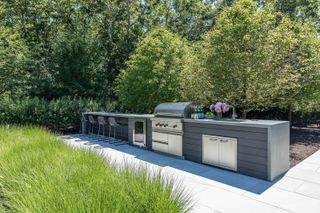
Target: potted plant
219 108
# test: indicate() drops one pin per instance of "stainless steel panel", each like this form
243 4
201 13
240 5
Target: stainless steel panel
219 151
175 144
160 136
160 146
168 143
210 149
228 153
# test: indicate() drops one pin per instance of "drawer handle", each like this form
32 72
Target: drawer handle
161 142
224 141
213 139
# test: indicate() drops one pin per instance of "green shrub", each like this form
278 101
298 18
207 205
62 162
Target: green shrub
58 115
38 173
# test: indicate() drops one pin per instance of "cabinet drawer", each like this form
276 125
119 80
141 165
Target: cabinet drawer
160 146
158 136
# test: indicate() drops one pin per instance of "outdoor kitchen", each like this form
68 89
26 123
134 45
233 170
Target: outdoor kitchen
257 148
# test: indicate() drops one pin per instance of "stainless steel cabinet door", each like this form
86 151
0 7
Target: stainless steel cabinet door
175 144
228 153
210 150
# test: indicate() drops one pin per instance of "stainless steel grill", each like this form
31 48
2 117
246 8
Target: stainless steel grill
174 110
167 126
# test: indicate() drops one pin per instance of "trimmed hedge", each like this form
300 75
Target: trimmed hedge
62 114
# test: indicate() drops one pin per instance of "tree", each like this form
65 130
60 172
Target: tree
195 82
13 63
258 58
188 18
152 73
293 64
232 54
303 10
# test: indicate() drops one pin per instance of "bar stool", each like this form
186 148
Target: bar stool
102 122
92 122
83 121
113 123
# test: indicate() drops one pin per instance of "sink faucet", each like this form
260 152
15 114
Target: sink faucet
234 115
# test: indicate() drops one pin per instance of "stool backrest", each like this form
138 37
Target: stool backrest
101 120
83 118
112 121
91 119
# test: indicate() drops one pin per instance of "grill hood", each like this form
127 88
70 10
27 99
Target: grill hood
174 110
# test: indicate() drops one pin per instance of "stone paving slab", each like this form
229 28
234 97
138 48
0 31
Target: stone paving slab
217 190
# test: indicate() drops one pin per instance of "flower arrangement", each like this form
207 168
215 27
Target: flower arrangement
219 108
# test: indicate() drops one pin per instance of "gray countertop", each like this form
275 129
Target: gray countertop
238 122
123 115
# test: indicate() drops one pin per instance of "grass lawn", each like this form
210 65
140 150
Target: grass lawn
38 173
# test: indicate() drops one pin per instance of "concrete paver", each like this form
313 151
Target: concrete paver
217 190
310 189
288 184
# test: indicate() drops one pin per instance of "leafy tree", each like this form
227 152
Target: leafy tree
257 58
293 61
188 18
232 54
293 65
195 82
303 10
13 63
152 72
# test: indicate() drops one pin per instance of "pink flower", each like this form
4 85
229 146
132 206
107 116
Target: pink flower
218 109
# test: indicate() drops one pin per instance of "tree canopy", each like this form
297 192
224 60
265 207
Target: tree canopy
13 62
256 58
152 73
253 53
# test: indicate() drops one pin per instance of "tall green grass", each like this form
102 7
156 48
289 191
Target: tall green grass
38 173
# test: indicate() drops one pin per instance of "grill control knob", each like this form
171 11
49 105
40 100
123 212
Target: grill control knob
157 124
165 125
175 126
161 124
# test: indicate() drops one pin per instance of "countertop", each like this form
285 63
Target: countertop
238 122
123 115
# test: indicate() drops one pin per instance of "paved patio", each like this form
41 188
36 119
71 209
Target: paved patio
217 190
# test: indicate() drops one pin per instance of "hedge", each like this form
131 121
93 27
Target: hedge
62 114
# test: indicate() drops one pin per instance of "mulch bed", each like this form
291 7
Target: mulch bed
303 143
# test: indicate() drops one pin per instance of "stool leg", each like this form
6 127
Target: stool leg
103 129
99 130
114 132
109 130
